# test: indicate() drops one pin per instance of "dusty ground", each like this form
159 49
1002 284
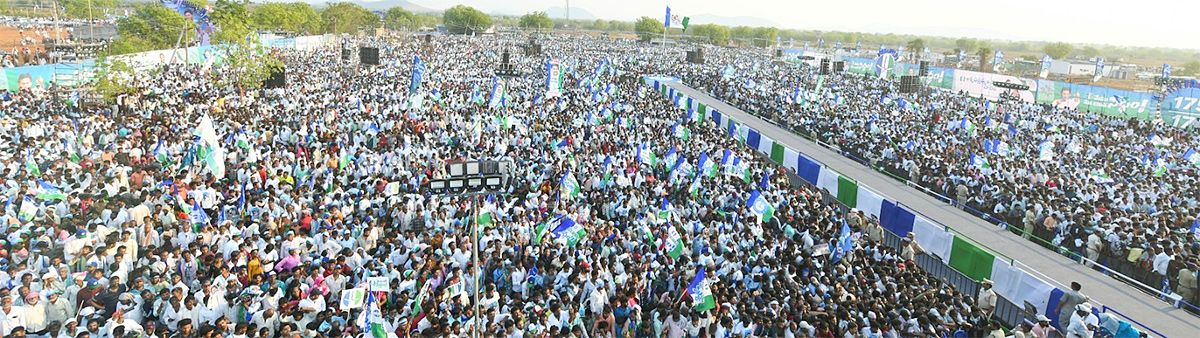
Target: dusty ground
10 38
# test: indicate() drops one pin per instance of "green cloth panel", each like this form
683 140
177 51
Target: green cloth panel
971 260
777 153
847 192
703 109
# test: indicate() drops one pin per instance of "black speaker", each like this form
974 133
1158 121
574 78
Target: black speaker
824 66
278 79
504 57
690 57
700 55
428 38
345 54
909 84
924 68
839 66
778 53
368 55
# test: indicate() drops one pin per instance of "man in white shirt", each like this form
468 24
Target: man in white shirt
1083 322
1161 260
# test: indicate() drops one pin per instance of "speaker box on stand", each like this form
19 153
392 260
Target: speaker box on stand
924 68
839 66
345 54
699 56
909 84
278 79
824 67
368 55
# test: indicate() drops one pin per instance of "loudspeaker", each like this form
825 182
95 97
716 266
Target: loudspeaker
690 57
824 67
924 68
368 56
345 54
699 56
504 57
428 38
278 79
778 53
909 84
839 66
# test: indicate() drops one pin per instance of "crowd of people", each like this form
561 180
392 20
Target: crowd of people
194 209
1118 192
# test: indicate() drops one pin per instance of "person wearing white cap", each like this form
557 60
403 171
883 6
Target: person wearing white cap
1043 328
1083 322
987 298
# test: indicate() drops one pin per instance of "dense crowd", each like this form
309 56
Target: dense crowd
1120 192
199 210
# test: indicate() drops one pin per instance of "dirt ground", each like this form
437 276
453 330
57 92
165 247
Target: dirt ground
10 38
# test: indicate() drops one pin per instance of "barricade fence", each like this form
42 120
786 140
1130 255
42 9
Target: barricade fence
961 260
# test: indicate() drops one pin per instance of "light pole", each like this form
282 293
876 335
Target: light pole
474 179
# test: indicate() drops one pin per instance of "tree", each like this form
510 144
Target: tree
647 28
765 36
600 24
985 56
916 45
297 17
234 20
346 17
151 27
966 44
538 21
461 19
1089 52
247 64
1191 68
114 77
80 8
711 33
1058 50
396 17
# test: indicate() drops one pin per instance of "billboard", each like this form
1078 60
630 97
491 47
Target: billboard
981 84
859 65
1182 108
1100 100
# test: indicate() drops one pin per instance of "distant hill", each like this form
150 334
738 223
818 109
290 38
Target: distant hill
731 21
577 13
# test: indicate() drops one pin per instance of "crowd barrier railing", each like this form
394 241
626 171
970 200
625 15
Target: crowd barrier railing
1011 314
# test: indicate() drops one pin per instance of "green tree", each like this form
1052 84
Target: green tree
234 20
346 17
1089 52
600 24
742 32
397 17
1191 68
462 19
79 8
113 77
765 36
297 17
916 45
966 44
647 28
247 64
538 21
622 26
151 27
985 56
1058 50
711 33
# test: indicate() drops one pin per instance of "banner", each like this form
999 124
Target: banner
1181 108
982 84
353 298
1106 101
554 73
378 284
1045 71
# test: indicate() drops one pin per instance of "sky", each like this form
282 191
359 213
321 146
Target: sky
1148 23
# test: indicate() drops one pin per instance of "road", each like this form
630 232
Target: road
1126 299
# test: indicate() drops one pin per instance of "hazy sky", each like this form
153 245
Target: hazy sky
1159 23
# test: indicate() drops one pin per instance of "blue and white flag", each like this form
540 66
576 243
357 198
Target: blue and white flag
198 215
499 90
844 244
998 59
1099 67
1046 62
1166 71
418 74
1192 156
